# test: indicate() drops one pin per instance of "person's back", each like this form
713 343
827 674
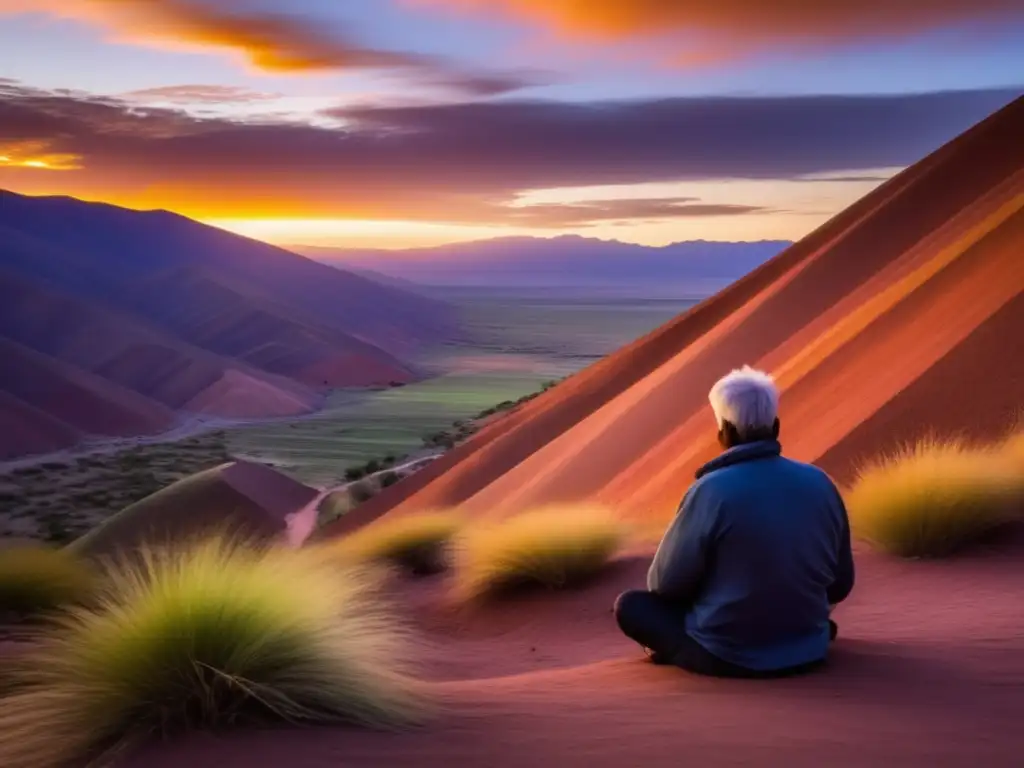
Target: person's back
779 532
745 576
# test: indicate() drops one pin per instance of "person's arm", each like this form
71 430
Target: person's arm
842 585
681 561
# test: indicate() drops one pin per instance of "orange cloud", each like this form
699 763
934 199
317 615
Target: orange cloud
730 27
271 41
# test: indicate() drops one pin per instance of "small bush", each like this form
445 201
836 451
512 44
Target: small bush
389 478
354 473
442 439
211 635
333 506
932 499
362 491
37 580
418 543
553 547
372 467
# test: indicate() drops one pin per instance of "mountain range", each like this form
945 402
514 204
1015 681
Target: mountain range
560 264
116 322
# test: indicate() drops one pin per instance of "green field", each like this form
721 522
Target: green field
561 333
357 426
515 346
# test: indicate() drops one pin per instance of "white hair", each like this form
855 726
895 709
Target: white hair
747 399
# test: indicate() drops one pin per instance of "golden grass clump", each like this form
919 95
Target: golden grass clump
416 542
37 580
934 498
211 635
553 547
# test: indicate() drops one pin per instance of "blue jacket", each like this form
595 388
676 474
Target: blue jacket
759 549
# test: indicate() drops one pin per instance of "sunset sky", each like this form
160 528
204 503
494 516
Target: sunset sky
396 123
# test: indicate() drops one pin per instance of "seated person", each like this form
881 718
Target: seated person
745 578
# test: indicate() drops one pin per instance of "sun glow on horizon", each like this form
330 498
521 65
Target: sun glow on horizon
788 214
33 155
361 233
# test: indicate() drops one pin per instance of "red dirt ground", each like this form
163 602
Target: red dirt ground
928 671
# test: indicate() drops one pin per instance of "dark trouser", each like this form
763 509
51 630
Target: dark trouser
659 626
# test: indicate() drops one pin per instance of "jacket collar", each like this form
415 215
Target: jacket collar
738 454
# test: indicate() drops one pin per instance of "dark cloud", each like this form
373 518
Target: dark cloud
564 216
527 144
855 178
482 84
468 162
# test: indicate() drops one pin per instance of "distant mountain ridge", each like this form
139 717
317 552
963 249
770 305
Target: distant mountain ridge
126 321
566 262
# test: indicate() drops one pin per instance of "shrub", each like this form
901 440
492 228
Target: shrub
553 547
354 473
333 506
389 478
214 634
361 491
934 498
416 542
372 467
442 439
37 580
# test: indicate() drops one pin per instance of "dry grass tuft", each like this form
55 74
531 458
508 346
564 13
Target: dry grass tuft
213 635
36 580
553 547
935 498
415 542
